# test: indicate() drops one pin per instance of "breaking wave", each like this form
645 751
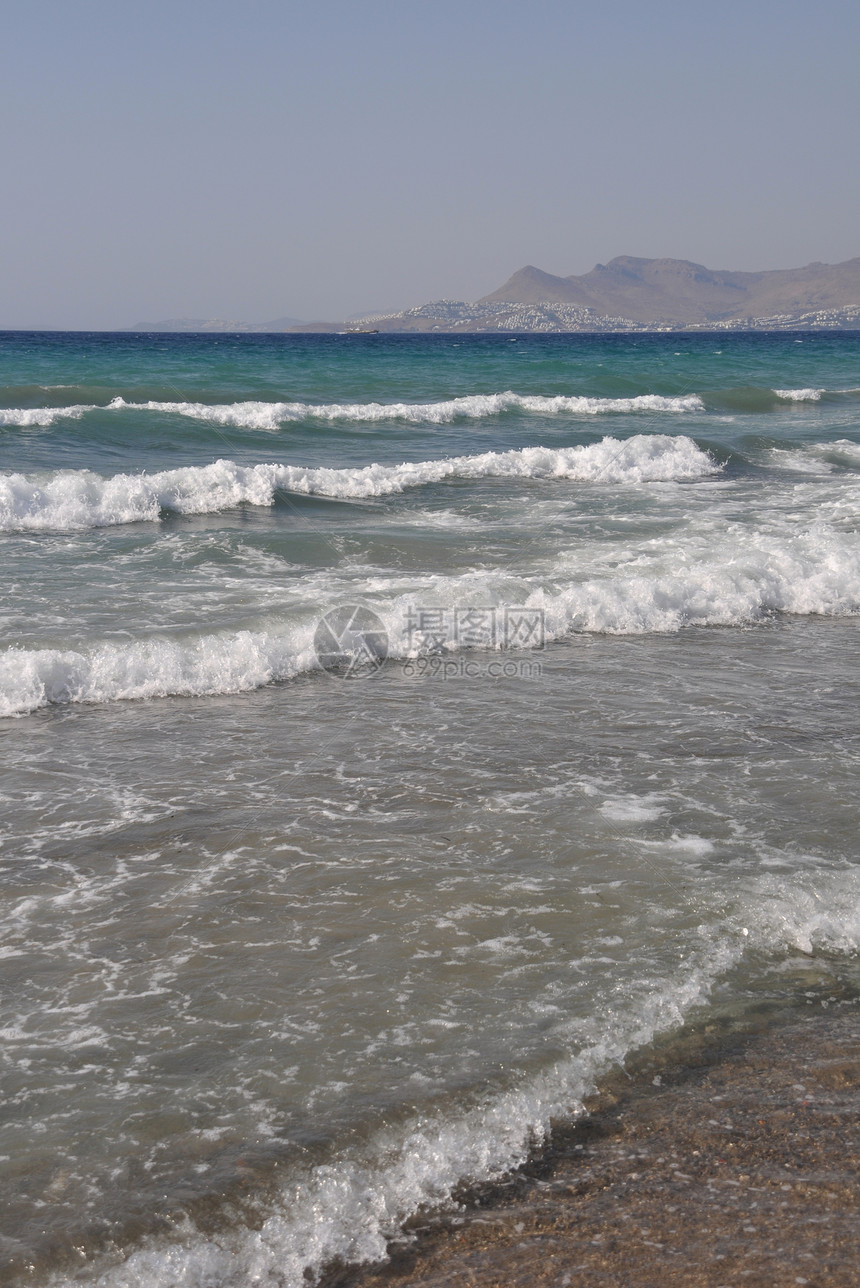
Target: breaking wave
71 500
816 458
42 416
261 415
732 578
347 1210
270 416
264 415
799 395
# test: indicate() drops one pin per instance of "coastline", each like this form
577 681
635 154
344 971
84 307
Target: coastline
736 1163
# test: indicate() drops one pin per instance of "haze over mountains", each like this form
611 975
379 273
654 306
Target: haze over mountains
676 290
626 294
631 294
174 325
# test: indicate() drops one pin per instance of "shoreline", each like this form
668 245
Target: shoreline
737 1162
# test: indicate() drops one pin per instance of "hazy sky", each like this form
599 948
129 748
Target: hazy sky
250 160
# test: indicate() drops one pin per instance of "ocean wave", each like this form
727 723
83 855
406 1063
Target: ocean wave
762 400
269 416
259 415
818 458
735 577
71 500
264 415
799 395
348 1209
42 416
837 396
807 912
153 668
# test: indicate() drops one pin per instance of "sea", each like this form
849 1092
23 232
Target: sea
399 733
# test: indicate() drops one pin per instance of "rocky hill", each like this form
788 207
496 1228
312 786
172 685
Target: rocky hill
627 294
672 292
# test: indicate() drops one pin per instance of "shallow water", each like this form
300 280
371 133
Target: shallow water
289 955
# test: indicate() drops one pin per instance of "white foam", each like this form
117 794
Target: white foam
842 450
73 499
262 415
154 668
42 416
269 415
814 912
800 461
720 575
350 1208
799 395
818 458
723 574
633 809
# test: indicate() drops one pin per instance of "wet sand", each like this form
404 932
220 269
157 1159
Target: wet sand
735 1163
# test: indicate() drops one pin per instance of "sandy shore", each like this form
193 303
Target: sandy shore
736 1163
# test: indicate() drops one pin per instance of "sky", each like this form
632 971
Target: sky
270 158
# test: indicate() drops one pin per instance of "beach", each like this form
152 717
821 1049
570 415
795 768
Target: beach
736 1163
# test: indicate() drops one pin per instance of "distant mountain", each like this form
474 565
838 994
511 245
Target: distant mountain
678 292
627 294
175 325
188 324
456 315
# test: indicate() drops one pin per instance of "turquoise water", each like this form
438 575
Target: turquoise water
299 936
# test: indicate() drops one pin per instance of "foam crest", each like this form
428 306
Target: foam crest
841 452
815 913
736 579
41 416
270 415
799 395
349 1209
706 584
154 668
818 458
262 415
75 499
